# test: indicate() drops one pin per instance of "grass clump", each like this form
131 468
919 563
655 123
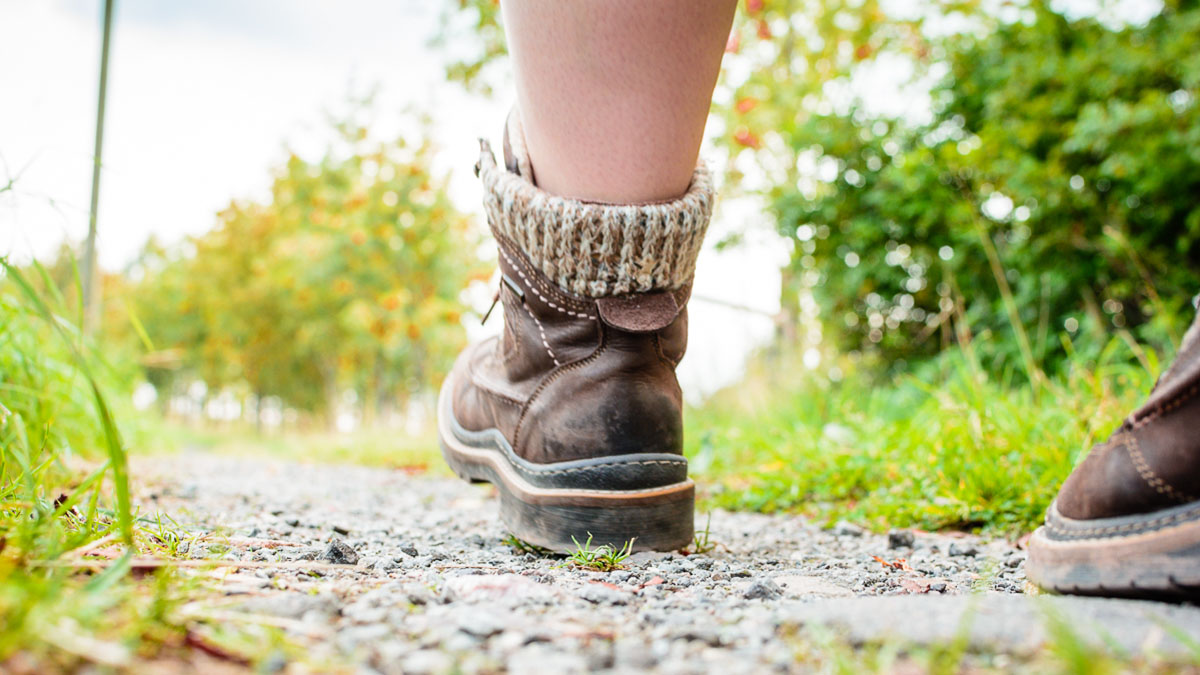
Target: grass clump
72 593
946 447
521 546
55 424
603 558
702 542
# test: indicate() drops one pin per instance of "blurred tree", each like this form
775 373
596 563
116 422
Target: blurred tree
473 25
346 280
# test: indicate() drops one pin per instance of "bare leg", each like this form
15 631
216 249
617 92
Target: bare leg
614 94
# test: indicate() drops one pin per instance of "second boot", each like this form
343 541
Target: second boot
1127 520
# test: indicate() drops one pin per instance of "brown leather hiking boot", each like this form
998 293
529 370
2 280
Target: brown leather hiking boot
574 413
1127 520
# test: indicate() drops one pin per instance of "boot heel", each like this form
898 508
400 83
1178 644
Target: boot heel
662 522
558 505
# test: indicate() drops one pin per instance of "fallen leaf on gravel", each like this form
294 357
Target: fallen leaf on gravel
653 582
898 564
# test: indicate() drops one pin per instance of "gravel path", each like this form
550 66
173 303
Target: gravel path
409 574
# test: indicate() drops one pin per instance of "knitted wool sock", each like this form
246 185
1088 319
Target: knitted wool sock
588 248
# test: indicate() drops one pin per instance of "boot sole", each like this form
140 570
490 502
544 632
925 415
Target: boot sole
1151 555
654 518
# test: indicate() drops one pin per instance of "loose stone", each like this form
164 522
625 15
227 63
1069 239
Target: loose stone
957 549
340 553
900 539
763 589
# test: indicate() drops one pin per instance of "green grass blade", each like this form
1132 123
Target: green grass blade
118 459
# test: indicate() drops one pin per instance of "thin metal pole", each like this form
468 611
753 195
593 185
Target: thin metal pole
91 296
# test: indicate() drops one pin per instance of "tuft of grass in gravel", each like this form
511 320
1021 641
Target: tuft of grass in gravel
702 541
947 447
521 546
603 558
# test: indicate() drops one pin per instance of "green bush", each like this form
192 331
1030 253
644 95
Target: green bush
946 448
1061 169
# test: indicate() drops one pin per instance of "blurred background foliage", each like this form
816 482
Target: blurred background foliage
343 287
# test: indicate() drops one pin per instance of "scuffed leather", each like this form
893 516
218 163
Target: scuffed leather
569 381
1152 461
641 312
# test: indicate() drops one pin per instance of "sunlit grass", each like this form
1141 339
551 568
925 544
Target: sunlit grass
69 532
65 486
946 448
378 447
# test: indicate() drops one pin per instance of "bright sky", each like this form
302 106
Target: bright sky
204 97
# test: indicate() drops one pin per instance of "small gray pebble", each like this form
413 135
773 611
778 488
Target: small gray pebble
938 586
706 634
763 589
481 624
964 550
340 553
900 539
602 595
409 549
847 529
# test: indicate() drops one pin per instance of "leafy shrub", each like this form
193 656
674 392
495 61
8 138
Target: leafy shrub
1060 169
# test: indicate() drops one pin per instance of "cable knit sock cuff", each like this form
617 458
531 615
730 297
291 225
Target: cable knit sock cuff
598 250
